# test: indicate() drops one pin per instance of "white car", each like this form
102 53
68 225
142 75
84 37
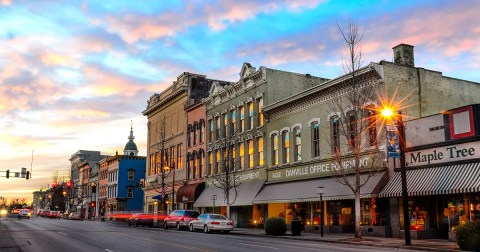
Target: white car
74 216
211 222
24 213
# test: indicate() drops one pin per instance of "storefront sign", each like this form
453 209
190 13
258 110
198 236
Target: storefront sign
444 154
322 169
152 179
242 176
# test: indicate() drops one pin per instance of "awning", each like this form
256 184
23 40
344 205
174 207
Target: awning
301 191
189 193
246 191
157 197
450 179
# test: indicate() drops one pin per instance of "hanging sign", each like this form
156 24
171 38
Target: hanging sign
393 143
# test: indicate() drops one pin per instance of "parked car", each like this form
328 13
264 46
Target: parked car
211 222
24 213
180 219
74 216
54 214
145 219
15 211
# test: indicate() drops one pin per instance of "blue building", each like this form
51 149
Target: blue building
121 179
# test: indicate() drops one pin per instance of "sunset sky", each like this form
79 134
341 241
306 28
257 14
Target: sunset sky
73 74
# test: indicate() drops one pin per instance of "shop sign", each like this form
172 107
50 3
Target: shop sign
322 169
243 176
152 179
444 154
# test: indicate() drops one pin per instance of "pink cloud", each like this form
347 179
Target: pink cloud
6 2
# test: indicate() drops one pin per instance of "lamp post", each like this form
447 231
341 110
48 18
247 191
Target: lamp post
214 197
321 192
387 113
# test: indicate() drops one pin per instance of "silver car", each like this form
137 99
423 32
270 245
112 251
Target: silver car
24 213
211 222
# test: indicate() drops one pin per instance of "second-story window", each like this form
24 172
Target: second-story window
352 129
202 131
242 119
217 161
250 115
241 149
372 127
286 147
315 139
260 151
210 163
131 175
297 137
335 134
201 165
233 158
274 149
190 135
195 133
217 128
179 164
250 153
210 131
225 124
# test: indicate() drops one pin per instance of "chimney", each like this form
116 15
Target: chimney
403 55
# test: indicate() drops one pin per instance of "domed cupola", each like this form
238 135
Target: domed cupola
130 148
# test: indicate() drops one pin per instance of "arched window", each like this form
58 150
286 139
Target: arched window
297 141
315 126
210 163
372 127
250 153
189 166
260 151
285 147
352 129
201 164
202 131
194 165
274 139
195 133
335 134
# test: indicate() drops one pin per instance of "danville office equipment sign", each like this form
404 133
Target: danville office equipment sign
451 153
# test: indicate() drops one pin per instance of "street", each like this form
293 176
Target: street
42 234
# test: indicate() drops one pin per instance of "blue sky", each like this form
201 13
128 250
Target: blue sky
73 74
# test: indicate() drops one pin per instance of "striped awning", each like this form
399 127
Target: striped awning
451 179
305 191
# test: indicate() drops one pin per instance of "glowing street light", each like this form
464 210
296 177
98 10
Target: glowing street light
388 113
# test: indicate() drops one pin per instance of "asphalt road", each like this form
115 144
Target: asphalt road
42 234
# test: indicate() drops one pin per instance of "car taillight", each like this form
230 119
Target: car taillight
182 219
215 223
229 223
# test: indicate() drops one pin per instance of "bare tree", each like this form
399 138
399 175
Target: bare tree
227 178
354 137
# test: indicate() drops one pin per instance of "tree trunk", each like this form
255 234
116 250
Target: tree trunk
358 229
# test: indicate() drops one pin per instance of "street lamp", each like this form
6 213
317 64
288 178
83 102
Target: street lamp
321 192
214 197
388 113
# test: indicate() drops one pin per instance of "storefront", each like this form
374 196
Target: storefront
187 194
291 193
242 212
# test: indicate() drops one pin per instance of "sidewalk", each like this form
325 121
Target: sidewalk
429 245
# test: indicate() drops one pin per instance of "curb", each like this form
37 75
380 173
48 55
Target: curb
381 245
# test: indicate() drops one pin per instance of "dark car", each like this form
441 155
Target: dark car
144 219
180 219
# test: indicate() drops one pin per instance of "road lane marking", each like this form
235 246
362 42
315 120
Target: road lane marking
62 233
108 250
168 243
257 246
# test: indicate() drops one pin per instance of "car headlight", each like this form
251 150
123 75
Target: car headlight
3 212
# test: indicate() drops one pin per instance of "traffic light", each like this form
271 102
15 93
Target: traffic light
93 204
8 173
69 184
28 175
54 185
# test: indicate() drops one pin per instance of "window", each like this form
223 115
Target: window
210 131
189 135
260 151
315 139
201 165
372 128
195 133
179 157
275 149
242 119
335 133
250 153
233 125
195 166
190 166
131 175
234 156
210 163
225 124
286 147
217 128
225 160
202 131
260 114
152 165
157 162
217 161
297 138
130 192
352 129
250 115
241 148
171 163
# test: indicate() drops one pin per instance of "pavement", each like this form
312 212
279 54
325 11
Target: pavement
428 245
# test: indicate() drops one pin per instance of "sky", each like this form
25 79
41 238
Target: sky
75 75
